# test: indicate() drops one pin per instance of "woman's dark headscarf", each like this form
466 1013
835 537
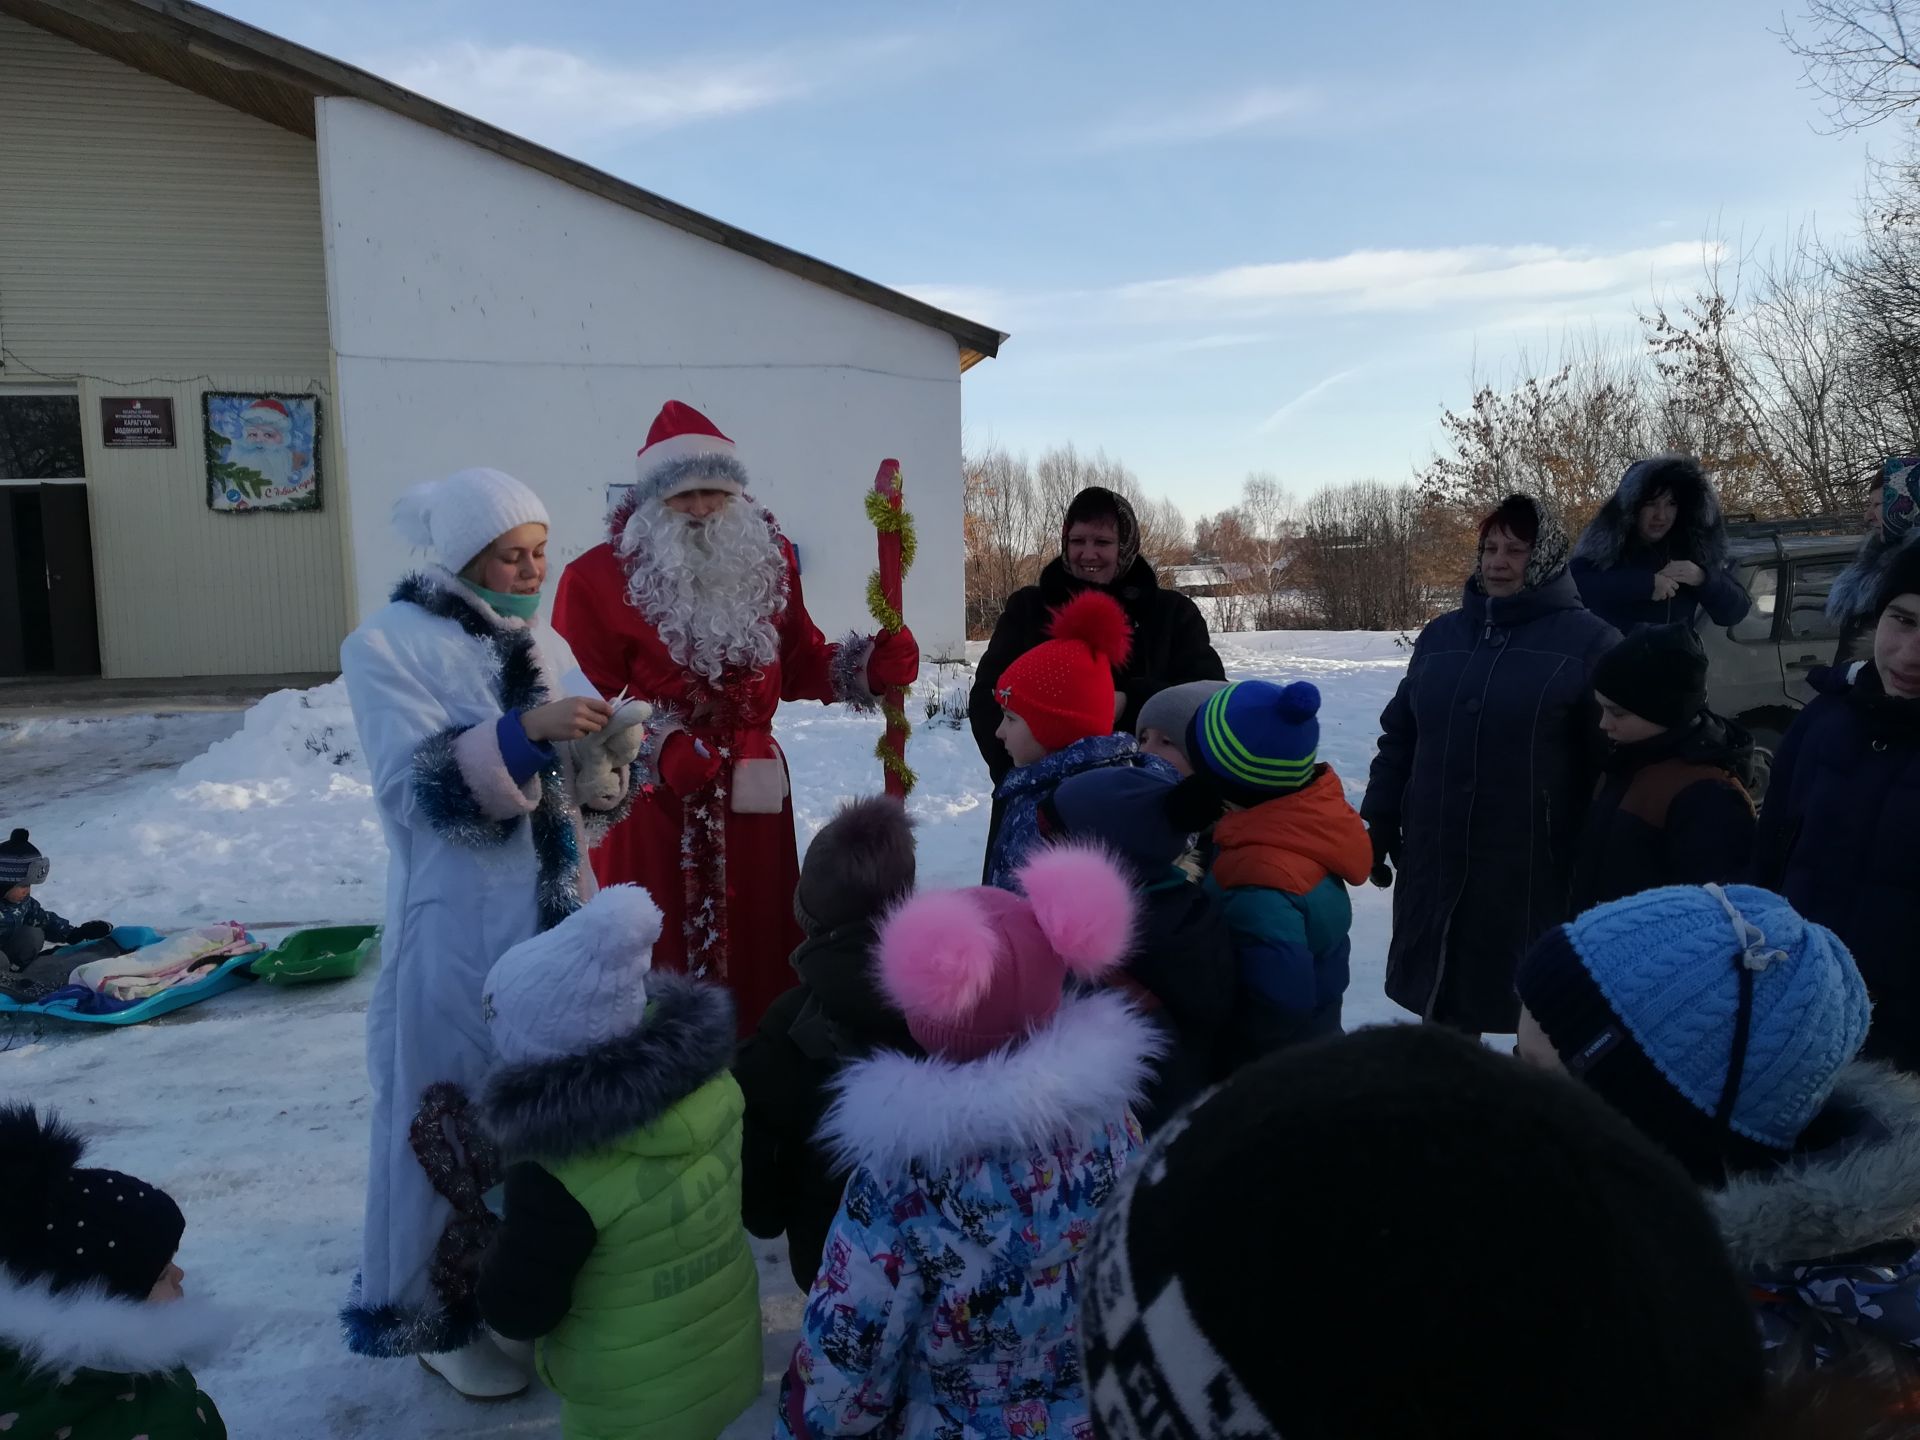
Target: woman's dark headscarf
1096 503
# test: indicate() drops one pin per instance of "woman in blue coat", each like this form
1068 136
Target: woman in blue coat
1656 554
1837 832
1487 760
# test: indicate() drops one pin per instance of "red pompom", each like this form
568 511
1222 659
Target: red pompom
1096 621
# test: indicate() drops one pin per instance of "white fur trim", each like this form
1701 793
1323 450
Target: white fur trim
477 751
89 1329
1085 1068
759 786
685 447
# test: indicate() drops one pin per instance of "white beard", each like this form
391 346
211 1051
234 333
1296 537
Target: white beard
274 462
712 589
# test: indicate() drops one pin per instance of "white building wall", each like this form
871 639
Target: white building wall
485 314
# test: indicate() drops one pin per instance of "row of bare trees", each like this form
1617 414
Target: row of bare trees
1790 374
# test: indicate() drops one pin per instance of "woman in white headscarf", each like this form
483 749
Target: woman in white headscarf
483 736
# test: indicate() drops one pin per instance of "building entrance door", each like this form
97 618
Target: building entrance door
49 620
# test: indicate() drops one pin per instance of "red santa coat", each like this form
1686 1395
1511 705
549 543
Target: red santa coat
724 880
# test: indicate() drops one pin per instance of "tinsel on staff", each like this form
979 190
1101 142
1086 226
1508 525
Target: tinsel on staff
894 528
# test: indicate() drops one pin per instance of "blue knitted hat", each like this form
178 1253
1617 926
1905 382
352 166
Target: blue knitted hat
1644 995
1258 739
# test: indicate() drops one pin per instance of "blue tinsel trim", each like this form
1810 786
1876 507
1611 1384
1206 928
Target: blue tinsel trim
446 799
388 1332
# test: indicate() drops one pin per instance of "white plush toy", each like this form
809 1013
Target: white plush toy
601 761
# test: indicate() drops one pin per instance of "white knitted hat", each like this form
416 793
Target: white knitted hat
580 985
460 516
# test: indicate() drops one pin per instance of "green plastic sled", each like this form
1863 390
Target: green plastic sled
332 952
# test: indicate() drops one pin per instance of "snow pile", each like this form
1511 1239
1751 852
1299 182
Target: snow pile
274 824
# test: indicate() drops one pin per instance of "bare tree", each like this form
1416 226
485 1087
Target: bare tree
1562 434
1000 527
1359 556
1863 56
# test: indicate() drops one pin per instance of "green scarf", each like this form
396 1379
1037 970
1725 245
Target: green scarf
515 607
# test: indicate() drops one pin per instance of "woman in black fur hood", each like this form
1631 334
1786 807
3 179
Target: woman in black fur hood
1656 554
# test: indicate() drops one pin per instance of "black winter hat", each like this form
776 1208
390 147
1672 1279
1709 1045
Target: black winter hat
1902 578
859 864
21 864
72 1226
1449 1244
1143 814
1659 673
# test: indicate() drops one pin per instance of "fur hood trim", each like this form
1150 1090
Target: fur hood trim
1087 1066
1856 589
1611 531
1862 1191
556 1109
85 1328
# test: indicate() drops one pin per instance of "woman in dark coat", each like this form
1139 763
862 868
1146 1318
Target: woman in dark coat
1099 549
1656 554
1842 812
1486 764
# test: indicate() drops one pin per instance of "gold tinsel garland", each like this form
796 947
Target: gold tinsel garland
889 521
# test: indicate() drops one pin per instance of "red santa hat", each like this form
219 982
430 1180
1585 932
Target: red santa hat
686 451
267 411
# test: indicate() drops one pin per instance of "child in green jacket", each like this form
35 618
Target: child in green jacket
95 1334
621 1249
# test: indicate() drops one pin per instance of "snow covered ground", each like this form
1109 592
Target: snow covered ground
250 1108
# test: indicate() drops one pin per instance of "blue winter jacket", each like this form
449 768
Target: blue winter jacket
1837 836
948 1299
1623 595
1486 765
1021 793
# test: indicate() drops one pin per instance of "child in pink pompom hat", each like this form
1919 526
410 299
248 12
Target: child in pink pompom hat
948 1294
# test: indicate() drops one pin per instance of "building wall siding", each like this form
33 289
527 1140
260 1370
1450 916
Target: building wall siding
155 243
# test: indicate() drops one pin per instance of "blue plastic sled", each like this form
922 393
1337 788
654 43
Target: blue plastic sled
230 973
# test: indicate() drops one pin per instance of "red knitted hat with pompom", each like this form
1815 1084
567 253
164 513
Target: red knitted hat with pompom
1063 687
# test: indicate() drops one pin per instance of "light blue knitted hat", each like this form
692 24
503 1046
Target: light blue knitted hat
1668 964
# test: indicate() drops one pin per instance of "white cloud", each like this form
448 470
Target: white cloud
562 98
1301 401
1184 124
1407 280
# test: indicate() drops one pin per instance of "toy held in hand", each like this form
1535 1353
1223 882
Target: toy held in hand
601 760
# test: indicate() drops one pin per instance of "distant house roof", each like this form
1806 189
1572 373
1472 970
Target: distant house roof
277 81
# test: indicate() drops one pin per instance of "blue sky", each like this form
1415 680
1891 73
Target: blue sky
1225 237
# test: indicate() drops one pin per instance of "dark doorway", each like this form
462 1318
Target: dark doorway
49 623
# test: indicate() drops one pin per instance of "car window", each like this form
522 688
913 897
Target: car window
1764 586
1812 579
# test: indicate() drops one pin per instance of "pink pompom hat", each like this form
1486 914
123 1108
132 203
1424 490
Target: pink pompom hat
979 969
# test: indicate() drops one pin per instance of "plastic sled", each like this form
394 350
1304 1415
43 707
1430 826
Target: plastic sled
333 952
231 972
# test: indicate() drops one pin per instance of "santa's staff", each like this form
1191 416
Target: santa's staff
894 528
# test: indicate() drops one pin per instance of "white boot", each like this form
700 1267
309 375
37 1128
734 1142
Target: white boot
478 1371
518 1352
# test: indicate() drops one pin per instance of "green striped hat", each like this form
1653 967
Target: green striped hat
1258 739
